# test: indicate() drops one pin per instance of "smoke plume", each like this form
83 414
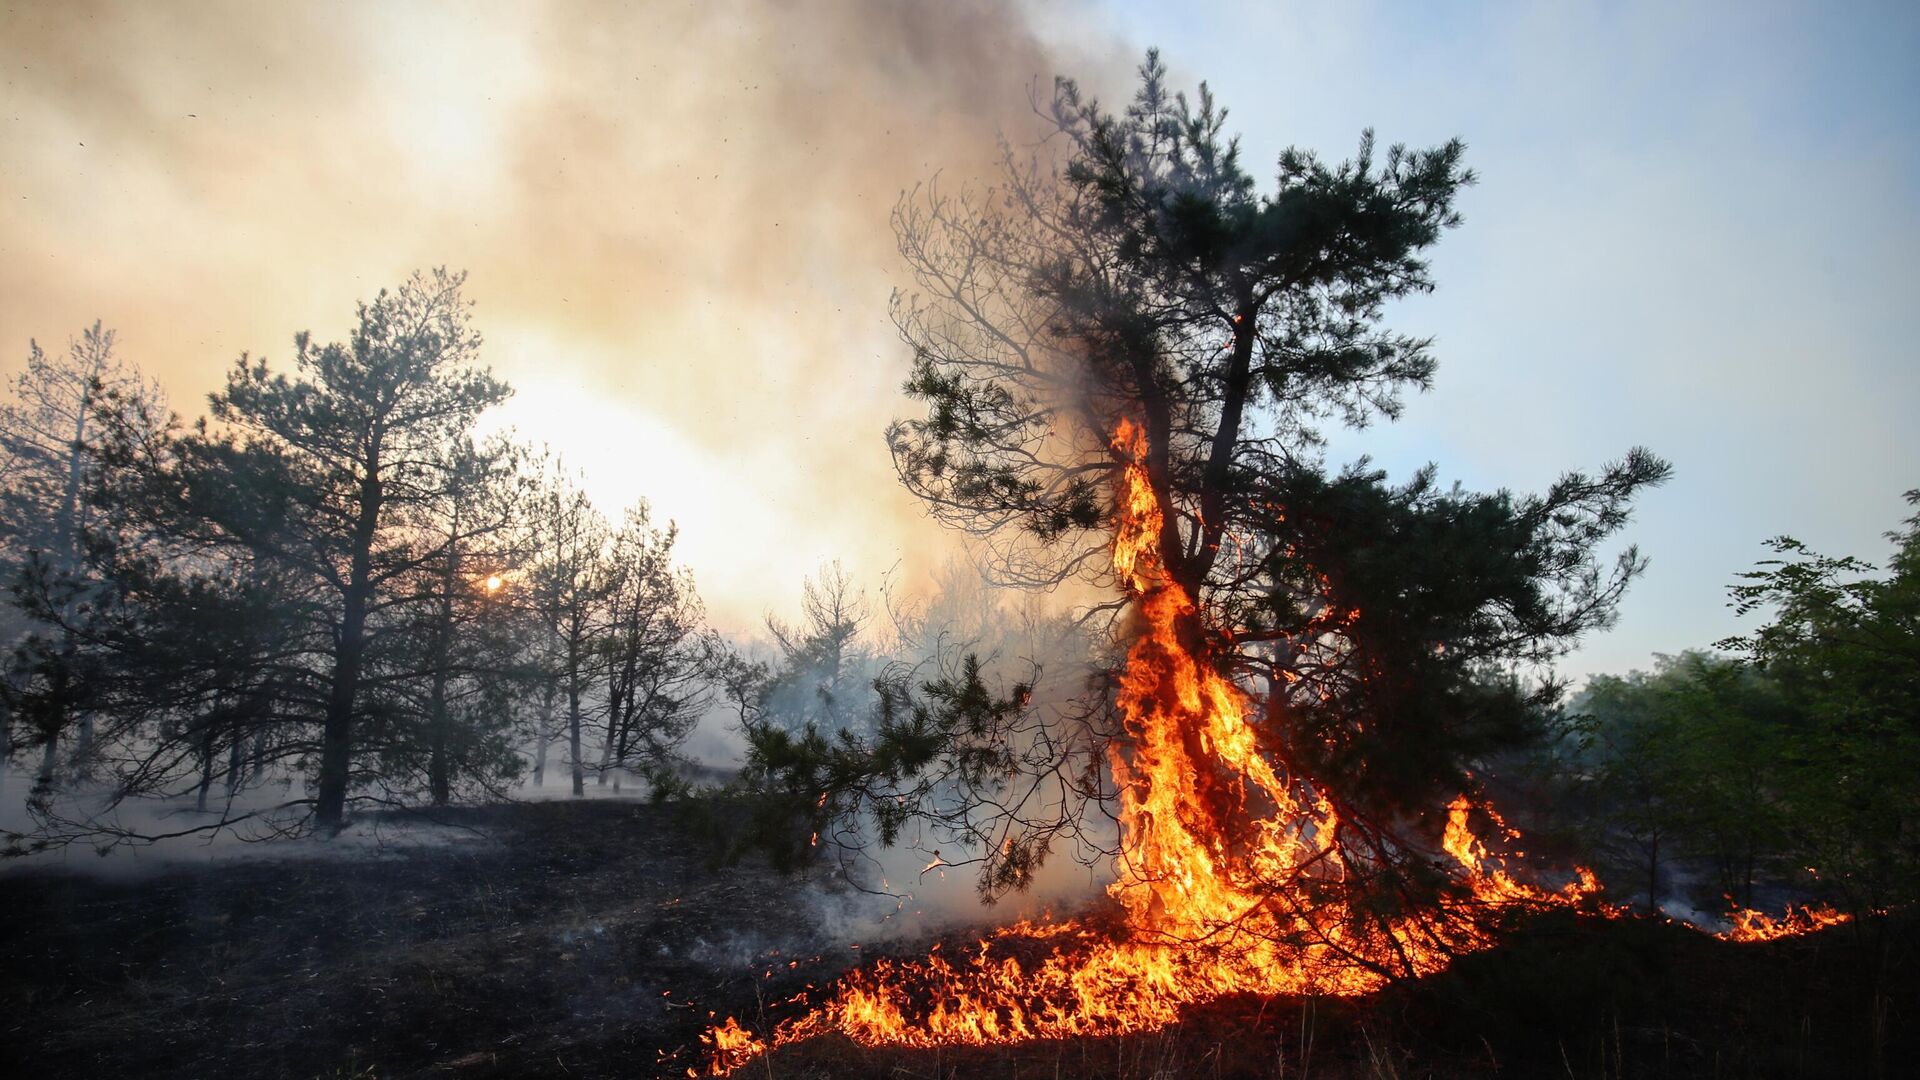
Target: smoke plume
675 218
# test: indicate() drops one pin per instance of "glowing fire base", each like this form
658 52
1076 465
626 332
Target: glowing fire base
1231 877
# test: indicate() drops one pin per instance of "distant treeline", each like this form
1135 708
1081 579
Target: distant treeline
1782 768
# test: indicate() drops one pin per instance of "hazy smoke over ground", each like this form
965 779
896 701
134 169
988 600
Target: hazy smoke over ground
675 217
929 879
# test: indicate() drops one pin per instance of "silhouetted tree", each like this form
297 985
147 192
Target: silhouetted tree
195 660
327 473
472 526
569 584
657 654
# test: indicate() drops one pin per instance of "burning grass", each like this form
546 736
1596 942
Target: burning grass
1561 995
594 940
1235 877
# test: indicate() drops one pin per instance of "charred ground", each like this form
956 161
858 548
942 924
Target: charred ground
562 939
589 939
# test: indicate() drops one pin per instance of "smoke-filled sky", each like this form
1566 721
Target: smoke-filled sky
1693 231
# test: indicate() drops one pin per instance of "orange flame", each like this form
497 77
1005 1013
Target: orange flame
1230 875
731 1046
1751 925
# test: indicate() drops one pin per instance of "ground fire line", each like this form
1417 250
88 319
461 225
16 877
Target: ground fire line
1229 878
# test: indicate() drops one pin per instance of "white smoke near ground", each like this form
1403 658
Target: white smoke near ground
928 881
112 838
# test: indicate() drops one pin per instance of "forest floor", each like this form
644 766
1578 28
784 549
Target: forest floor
593 939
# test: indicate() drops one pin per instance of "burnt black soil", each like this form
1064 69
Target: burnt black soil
580 939
592 939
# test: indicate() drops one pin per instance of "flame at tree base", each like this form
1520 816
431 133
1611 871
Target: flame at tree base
1085 983
1232 878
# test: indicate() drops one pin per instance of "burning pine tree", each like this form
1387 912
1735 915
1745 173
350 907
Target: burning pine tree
1126 361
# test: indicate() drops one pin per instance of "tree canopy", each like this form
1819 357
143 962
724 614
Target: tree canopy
1843 644
1398 633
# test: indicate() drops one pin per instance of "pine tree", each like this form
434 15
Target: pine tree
1397 634
569 586
471 529
824 678
656 650
326 473
50 435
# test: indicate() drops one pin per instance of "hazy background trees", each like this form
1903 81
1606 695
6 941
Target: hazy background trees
326 592
569 586
656 649
330 474
620 649
1783 767
827 664
50 436
1679 767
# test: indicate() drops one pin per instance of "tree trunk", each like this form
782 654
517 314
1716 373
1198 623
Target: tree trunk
1191 569
613 717
236 754
206 768
257 767
79 762
336 737
48 759
543 735
573 737
606 749
1653 876
439 769
576 680
69 539
53 724
624 750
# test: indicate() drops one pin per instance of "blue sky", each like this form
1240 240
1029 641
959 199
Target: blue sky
1695 230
